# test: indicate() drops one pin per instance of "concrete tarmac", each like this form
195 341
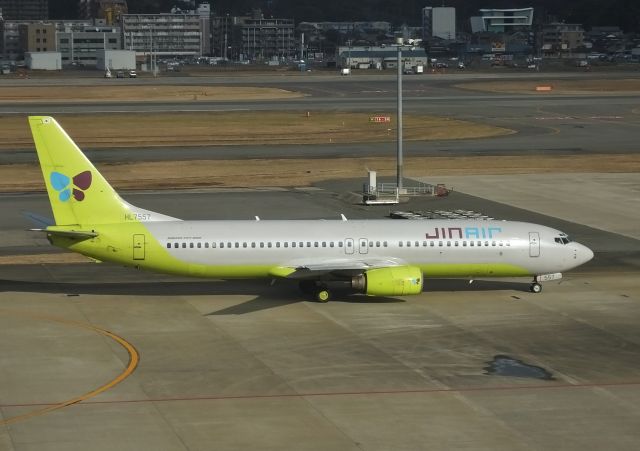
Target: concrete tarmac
94 356
234 365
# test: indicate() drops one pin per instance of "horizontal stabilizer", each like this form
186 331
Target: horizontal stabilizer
84 234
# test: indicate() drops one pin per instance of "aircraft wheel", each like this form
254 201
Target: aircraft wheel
535 287
323 294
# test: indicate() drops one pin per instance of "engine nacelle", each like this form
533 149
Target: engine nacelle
392 281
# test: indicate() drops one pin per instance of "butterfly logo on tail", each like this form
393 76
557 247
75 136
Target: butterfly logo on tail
68 187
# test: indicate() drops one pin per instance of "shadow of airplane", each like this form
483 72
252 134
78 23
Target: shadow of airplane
267 295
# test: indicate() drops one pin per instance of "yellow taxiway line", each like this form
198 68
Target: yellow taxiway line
134 359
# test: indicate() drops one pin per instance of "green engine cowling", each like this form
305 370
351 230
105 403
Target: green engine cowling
392 281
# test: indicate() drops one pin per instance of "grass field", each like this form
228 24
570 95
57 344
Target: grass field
134 93
303 172
240 127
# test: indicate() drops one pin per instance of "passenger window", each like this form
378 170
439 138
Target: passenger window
261 244
324 244
370 243
269 244
244 244
206 245
440 243
315 244
464 244
237 245
308 243
253 244
339 243
213 244
229 244
493 243
286 244
199 245
456 244
486 243
191 245
432 244
277 243
408 243
472 243
176 245
377 243
221 245
330 243
400 243
385 244
448 243
168 245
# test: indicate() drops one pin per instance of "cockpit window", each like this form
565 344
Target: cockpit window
562 239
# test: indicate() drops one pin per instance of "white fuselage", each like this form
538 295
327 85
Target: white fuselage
439 247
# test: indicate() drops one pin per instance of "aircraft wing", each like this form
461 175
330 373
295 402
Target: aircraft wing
310 269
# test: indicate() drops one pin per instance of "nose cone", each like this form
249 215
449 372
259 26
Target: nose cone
583 254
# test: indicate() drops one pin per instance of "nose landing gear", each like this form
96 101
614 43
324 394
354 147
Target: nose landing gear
535 287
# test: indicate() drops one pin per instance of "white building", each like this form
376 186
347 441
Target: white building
116 59
165 35
43 60
438 22
502 20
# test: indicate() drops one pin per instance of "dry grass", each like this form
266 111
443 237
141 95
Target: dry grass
36 259
559 86
239 127
302 172
132 93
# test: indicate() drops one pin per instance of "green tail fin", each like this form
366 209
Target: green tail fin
77 191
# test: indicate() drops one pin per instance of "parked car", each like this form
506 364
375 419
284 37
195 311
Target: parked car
120 74
133 74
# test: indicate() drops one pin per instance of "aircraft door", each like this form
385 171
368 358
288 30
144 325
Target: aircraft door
348 246
363 246
138 247
534 244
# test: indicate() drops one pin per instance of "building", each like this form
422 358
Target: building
43 60
115 59
558 38
264 39
80 44
37 37
165 35
110 11
25 9
379 57
502 20
438 23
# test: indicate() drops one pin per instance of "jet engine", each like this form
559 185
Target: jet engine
391 281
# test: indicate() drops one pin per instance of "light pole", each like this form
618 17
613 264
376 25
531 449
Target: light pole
399 169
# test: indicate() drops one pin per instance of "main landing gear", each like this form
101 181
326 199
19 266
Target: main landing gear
319 291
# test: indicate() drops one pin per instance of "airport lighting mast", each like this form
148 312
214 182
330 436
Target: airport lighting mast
399 173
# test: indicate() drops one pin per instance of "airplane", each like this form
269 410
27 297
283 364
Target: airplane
375 257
